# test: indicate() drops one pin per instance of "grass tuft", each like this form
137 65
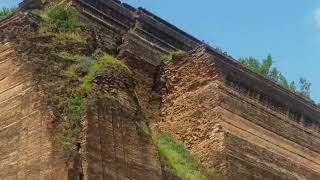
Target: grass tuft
168 57
144 127
100 64
71 57
179 159
176 158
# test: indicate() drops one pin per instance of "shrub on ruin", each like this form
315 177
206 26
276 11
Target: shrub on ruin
61 16
60 23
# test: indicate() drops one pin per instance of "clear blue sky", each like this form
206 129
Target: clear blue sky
288 29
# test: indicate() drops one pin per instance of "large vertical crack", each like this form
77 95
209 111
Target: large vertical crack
81 174
100 137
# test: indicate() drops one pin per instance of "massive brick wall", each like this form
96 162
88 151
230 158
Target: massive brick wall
114 147
229 117
111 145
229 127
26 149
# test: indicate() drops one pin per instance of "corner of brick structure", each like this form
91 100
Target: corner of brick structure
229 126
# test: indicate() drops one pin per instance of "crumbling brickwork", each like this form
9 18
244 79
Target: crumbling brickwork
230 118
26 149
111 145
229 121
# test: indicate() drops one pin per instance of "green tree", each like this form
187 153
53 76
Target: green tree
283 80
304 88
292 86
265 68
274 74
252 63
266 65
6 11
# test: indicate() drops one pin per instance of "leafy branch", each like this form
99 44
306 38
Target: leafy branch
265 68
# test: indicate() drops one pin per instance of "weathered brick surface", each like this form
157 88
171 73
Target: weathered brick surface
26 151
230 118
116 148
227 127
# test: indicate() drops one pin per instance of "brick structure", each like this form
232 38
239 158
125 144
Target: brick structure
238 121
229 117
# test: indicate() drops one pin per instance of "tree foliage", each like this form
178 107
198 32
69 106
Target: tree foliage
6 11
304 88
265 68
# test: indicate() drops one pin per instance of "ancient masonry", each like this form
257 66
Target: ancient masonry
229 117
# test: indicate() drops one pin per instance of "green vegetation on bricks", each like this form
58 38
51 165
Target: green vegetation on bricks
171 55
60 22
83 70
66 73
179 159
176 157
102 61
62 16
60 25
